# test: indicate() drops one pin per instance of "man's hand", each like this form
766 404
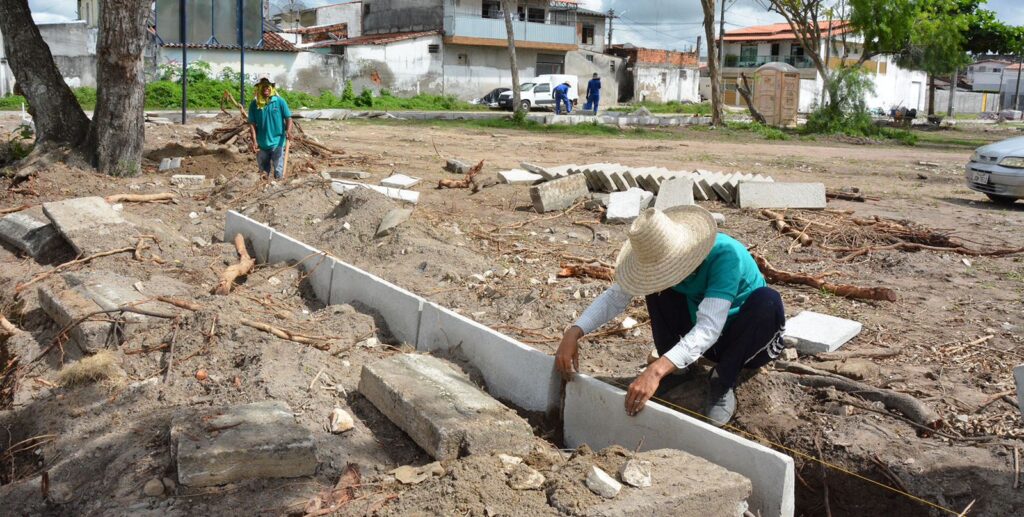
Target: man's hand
252 147
643 388
567 358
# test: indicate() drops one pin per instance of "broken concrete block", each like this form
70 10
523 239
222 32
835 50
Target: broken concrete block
110 291
520 177
181 180
1018 378
636 473
818 333
392 220
537 169
781 195
440 409
170 163
602 484
624 207
31 235
630 180
525 478
455 166
65 306
558 194
349 175
620 184
253 441
399 181
675 192
90 224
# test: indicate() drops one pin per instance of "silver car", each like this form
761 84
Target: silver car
997 170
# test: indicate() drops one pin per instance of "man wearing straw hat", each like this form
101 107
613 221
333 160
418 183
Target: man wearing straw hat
706 298
270 125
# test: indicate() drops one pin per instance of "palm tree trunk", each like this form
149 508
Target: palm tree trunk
508 6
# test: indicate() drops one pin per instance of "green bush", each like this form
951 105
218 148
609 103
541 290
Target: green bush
849 115
9 102
767 132
349 95
671 107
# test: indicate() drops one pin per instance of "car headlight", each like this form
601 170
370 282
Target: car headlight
1016 162
975 157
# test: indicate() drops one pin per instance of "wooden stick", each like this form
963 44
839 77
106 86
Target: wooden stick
988 402
319 343
244 266
11 210
62 267
181 304
140 198
824 477
7 326
842 356
284 166
1016 467
170 353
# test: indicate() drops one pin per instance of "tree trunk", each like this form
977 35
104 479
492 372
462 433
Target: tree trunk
58 118
713 71
508 6
931 94
117 134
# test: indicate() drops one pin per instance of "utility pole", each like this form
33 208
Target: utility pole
184 59
611 25
1016 92
952 91
721 37
241 54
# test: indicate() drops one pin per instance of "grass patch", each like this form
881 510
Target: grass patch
766 132
674 107
945 139
587 129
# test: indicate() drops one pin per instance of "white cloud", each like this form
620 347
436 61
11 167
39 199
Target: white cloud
53 11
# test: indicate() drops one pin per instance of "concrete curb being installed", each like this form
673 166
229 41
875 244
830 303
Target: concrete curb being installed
526 377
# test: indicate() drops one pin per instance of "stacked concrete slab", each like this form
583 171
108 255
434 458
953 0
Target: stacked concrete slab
525 377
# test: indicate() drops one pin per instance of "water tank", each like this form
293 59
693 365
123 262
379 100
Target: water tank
777 93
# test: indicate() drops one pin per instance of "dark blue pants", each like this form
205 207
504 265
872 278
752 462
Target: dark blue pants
559 99
751 339
592 103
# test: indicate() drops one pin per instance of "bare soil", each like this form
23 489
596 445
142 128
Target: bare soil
946 303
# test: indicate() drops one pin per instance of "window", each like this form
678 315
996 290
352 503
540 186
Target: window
748 54
796 50
590 57
491 9
434 48
542 88
664 78
613 67
535 15
463 59
550 64
366 9
996 70
588 34
775 51
682 75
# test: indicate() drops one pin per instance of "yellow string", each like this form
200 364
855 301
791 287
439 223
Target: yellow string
797 453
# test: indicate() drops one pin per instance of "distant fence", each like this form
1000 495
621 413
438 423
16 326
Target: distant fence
967 102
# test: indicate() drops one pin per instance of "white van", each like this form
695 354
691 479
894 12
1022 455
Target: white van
537 92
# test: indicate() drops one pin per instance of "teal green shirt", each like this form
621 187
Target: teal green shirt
270 122
729 273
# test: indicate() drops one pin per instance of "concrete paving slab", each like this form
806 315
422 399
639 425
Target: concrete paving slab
1018 378
558 194
393 219
111 290
65 305
624 207
512 371
349 175
537 169
520 177
399 308
723 192
593 184
675 192
630 180
781 195
35 236
90 224
820 333
620 183
400 181
252 441
441 409
698 190
257 235
186 180
411 196
594 416
561 171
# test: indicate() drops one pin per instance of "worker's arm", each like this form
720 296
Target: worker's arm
288 128
287 114
252 137
610 304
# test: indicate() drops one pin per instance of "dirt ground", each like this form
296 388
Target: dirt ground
950 340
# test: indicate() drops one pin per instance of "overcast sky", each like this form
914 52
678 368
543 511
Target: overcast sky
671 24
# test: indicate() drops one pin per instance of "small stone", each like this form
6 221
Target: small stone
274 281
199 242
345 226
118 207
478 278
208 210
153 488
719 218
372 342
525 478
341 421
962 418
193 215
602 484
802 298
636 473
511 272
488 274
169 485
629 323
139 287
552 279
508 462
410 475
789 354
603 236
577 295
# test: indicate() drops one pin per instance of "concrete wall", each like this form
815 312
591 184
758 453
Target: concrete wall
610 69
967 102
306 71
386 16
404 67
350 13
1010 84
665 84
600 32
986 81
6 75
898 87
73 46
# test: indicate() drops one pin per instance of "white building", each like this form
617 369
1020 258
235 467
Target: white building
655 75
986 75
1013 81
750 47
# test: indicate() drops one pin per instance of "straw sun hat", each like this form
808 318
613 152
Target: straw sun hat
664 247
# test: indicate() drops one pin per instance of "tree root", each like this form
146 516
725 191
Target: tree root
467 182
780 224
316 342
912 408
777 276
140 198
244 267
587 270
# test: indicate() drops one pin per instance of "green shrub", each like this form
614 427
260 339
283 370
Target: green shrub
365 99
9 102
349 94
766 132
849 115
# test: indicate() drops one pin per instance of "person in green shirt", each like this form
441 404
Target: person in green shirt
706 298
270 125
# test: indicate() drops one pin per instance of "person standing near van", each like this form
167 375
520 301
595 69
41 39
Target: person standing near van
562 95
594 93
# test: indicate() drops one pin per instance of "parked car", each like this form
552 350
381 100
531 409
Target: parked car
536 93
997 170
491 99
